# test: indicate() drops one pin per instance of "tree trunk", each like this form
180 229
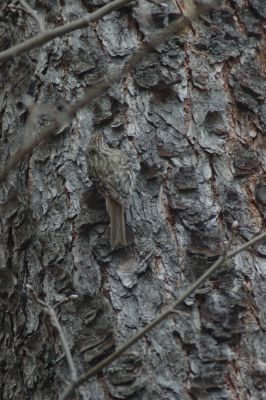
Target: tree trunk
192 118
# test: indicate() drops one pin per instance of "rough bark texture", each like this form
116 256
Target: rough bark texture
192 116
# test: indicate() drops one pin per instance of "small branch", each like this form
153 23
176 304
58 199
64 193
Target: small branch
25 7
93 371
64 343
50 34
73 297
56 324
234 230
35 296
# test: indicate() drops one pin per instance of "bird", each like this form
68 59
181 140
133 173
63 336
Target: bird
111 172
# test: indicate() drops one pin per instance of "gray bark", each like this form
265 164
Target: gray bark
192 118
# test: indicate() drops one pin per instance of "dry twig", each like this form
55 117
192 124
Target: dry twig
25 7
50 34
56 324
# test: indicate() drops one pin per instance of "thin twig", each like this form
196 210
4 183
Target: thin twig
64 343
56 324
35 296
73 297
25 7
93 371
50 34
138 55
234 229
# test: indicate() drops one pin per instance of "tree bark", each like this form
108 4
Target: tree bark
192 118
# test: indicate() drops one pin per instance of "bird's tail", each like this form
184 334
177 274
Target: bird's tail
117 218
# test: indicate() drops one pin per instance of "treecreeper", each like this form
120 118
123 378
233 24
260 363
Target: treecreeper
111 171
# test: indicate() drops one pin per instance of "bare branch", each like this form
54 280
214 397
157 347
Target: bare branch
108 360
64 343
138 55
228 244
56 324
35 296
25 7
51 34
73 297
